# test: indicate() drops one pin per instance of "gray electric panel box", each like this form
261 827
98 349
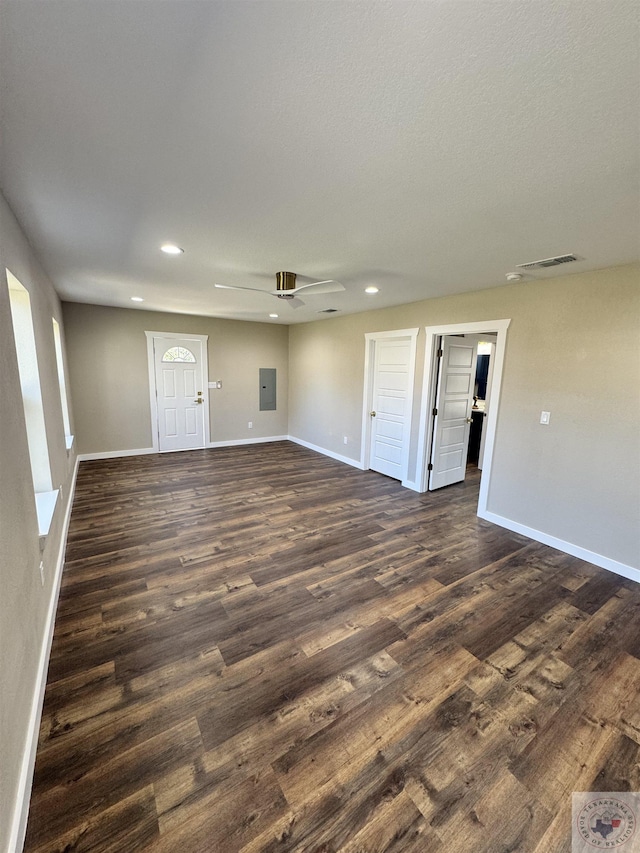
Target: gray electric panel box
267 389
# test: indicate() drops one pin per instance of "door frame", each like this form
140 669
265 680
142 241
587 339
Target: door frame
439 404
425 432
153 399
371 339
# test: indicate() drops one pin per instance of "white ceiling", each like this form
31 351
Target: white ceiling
422 147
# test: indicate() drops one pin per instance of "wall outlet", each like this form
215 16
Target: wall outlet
41 572
545 417
250 424
345 440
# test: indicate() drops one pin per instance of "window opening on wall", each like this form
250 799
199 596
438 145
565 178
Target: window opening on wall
25 342
64 401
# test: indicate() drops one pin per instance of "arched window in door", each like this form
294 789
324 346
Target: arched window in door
178 354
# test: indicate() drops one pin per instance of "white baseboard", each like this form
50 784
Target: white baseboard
23 796
116 454
561 545
145 451
237 442
355 463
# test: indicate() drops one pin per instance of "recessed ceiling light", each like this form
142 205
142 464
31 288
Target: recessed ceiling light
273 316
371 289
137 299
171 249
514 276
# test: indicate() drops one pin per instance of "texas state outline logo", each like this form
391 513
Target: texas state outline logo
605 821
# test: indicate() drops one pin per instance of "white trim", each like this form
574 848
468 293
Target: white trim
355 463
371 338
561 545
392 333
116 454
45 507
411 484
177 335
236 442
146 451
25 781
153 399
430 365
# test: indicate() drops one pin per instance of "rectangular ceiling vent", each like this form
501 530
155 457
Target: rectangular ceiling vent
549 262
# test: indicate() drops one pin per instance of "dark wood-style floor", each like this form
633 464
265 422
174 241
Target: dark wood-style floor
259 649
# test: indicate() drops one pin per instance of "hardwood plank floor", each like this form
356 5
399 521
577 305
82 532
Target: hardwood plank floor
258 649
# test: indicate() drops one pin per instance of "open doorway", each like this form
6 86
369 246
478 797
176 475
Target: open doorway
481 400
472 332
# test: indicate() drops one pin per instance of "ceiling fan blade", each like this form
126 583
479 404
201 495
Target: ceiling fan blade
319 287
314 288
235 287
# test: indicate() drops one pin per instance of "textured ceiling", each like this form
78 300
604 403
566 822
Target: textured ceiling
424 147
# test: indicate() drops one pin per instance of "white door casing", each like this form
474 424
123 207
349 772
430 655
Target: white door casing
433 334
487 404
179 398
452 412
389 380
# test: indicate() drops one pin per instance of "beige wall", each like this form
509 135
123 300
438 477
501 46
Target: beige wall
572 349
110 380
24 601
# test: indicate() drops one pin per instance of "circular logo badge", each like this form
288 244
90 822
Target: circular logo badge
607 822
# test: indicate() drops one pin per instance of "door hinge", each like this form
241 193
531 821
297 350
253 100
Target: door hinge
434 412
429 467
440 353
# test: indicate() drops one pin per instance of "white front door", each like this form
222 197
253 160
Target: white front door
390 415
454 401
180 393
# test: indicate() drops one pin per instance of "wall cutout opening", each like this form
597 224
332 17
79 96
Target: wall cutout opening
64 400
25 342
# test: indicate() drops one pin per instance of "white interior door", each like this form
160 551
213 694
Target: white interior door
454 401
390 416
179 393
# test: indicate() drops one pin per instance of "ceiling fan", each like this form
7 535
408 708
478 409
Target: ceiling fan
286 288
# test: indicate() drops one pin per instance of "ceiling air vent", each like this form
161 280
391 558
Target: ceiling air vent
549 262
328 311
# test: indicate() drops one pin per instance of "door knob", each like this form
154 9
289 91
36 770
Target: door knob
373 414
199 400
469 420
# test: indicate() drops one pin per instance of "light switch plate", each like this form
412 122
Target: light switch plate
545 417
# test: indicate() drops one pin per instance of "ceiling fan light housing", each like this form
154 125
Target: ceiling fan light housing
285 281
